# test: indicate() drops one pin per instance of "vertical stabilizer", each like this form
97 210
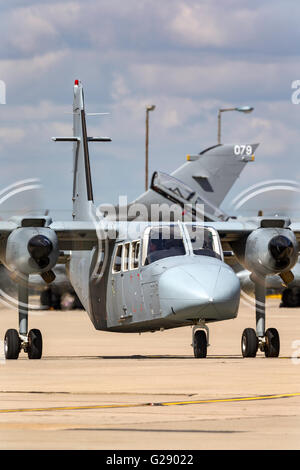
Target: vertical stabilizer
82 179
83 200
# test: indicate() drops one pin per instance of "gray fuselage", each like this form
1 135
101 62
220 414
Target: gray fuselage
178 288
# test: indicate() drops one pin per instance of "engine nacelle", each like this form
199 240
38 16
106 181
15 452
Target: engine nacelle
271 251
31 250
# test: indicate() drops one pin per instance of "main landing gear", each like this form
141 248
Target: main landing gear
267 341
31 342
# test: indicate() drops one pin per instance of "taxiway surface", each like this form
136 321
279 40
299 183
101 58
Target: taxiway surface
96 390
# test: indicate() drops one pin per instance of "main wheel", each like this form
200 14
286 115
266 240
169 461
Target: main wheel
12 344
249 343
200 344
35 344
272 344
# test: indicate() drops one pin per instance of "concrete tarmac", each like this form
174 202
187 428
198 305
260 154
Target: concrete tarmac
97 390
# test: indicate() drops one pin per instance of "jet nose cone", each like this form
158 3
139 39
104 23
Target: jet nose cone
200 290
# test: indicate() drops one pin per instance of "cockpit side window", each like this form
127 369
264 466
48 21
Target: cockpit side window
202 241
135 253
125 256
117 260
164 242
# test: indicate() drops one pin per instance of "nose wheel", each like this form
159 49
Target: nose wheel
200 340
14 341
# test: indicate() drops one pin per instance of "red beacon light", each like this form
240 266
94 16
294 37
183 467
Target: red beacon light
76 82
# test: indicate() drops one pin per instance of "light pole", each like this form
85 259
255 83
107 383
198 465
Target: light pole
241 109
148 109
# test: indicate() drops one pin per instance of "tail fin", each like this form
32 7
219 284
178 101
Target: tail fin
213 172
82 180
207 176
83 199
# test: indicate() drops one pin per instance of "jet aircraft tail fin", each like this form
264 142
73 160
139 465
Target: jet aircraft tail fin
214 171
206 177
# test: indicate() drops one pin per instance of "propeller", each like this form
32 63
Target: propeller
282 249
39 248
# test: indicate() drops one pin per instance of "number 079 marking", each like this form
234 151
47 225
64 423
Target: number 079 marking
243 149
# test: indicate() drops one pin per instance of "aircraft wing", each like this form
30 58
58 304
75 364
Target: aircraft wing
72 235
84 235
75 235
295 227
232 230
6 228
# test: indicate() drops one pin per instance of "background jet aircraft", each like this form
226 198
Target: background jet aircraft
204 179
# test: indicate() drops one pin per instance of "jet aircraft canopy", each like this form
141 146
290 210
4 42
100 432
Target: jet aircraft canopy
179 193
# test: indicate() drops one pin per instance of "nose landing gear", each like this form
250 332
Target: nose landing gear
200 340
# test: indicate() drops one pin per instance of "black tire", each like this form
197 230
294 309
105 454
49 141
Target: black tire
272 344
200 344
12 344
35 344
290 298
249 343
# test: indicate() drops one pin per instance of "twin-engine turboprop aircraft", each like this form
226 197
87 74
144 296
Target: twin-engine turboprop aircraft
141 276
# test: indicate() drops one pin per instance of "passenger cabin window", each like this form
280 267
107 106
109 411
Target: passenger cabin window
118 260
164 242
135 253
202 241
125 254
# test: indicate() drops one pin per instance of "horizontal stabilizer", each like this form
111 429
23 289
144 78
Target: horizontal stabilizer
77 139
65 139
99 139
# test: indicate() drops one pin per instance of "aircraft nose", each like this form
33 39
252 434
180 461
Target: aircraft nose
209 291
226 295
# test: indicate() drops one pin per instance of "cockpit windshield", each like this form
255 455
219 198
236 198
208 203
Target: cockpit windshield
202 241
164 242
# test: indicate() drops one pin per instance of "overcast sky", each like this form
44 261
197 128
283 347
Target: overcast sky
189 57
